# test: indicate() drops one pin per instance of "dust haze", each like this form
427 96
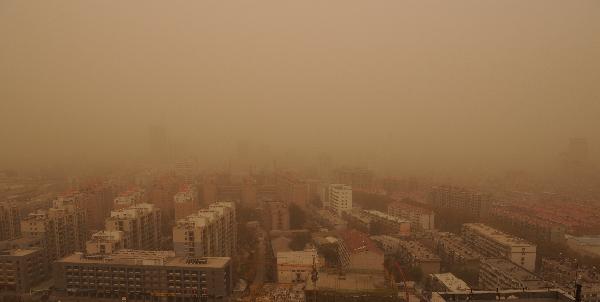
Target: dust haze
441 86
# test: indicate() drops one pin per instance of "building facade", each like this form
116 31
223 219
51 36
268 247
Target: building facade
135 275
209 232
10 221
420 218
340 198
63 227
491 242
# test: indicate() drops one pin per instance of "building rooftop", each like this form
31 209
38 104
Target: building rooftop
418 250
152 258
497 235
457 245
357 242
451 282
515 271
551 295
386 216
133 211
17 252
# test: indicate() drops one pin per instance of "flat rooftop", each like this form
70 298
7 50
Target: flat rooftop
497 235
451 282
150 258
515 271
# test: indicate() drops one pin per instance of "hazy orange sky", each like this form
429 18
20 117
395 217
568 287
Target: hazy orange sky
409 84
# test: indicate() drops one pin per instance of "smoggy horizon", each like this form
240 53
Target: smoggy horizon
421 86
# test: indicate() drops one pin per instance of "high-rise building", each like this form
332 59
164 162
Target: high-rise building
10 225
140 225
276 215
98 203
358 178
63 227
291 189
105 242
469 205
135 275
186 201
493 243
340 198
209 232
128 198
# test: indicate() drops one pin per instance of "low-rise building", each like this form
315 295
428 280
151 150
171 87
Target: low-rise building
21 269
387 243
364 256
491 242
544 295
457 256
143 276
500 273
415 254
296 266
421 219
447 282
564 273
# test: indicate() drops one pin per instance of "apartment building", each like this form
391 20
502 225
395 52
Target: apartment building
454 249
389 224
105 242
527 225
291 189
140 224
469 205
415 254
21 269
276 215
128 198
186 201
98 203
447 282
296 266
457 256
421 219
491 242
532 295
210 232
563 273
500 273
388 244
10 221
340 198
63 227
135 275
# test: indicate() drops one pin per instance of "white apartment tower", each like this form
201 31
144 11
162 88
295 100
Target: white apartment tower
340 198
